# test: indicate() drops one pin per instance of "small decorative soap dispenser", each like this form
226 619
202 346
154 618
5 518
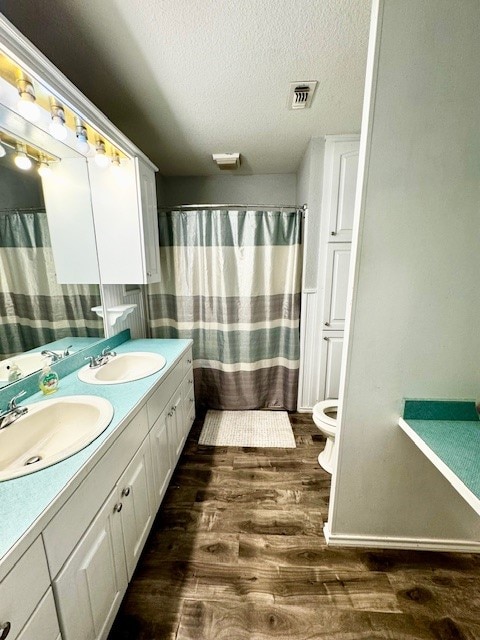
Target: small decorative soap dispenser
48 379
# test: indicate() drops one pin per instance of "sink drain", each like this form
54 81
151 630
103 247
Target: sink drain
33 459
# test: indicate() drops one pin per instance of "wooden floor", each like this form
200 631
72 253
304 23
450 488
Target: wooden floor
237 553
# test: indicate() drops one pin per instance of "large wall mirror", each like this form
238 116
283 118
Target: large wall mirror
46 293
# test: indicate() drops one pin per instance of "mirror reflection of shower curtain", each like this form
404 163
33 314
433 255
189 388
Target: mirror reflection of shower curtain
34 308
231 281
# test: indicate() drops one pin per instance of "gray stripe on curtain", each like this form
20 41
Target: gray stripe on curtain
244 390
222 310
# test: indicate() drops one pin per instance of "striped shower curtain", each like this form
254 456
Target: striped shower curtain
231 281
34 309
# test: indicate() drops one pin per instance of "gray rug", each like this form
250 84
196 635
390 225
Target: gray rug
247 429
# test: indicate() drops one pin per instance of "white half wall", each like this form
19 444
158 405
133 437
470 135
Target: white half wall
225 189
413 329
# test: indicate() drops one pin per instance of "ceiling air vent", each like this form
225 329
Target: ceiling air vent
301 94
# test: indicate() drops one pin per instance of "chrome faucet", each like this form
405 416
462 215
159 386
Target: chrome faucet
57 356
13 412
54 356
103 358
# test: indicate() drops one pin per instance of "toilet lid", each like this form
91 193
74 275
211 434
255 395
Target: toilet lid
321 409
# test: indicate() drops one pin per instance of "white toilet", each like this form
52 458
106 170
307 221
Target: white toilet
325 417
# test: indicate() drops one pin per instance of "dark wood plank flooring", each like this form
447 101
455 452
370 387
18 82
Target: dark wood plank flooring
237 553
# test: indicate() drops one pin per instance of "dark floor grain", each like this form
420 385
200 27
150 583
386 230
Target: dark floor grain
237 553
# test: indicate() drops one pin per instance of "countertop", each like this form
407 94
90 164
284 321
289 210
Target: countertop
29 502
448 433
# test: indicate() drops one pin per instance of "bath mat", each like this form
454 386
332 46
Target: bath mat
247 429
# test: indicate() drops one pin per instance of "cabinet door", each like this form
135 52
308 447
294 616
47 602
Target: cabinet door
161 457
188 403
331 361
148 206
336 286
43 625
91 585
178 422
136 497
342 186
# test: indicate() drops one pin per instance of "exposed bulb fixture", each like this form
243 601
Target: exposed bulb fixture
27 105
116 166
57 125
3 151
101 158
44 169
82 138
21 159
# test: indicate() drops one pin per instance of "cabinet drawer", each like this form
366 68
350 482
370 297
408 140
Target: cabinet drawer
43 625
159 399
66 528
22 589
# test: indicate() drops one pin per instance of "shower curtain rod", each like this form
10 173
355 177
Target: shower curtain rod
233 206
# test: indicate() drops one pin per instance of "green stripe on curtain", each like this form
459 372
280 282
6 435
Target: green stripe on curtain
232 228
231 281
34 308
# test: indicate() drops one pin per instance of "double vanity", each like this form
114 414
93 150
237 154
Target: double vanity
72 532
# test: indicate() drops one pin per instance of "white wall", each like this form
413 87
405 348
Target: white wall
413 330
309 191
226 189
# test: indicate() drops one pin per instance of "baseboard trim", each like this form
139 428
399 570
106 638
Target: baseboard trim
419 544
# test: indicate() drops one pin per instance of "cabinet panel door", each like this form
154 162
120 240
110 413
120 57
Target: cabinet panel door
336 286
148 205
161 458
43 625
90 587
331 361
135 495
342 190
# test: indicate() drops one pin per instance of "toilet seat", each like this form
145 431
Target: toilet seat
320 409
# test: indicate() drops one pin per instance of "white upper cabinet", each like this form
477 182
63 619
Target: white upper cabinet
124 212
103 223
342 161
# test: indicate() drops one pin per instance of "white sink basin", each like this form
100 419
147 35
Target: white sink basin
26 362
124 367
51 431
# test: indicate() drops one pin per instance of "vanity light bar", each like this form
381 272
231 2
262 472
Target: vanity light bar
34 96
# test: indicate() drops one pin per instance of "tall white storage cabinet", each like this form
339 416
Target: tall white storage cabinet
323 329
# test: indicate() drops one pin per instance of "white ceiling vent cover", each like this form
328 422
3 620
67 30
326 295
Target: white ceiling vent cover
300 95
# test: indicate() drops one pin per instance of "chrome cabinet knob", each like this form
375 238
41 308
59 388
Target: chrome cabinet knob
149 274
327 324
5 630
118 507
189 361
126 492
333 233
190 382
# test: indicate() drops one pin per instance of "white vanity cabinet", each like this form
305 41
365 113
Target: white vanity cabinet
125 218
26 599
94 542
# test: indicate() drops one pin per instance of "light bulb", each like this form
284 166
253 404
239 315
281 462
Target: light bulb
44 169
3 151
101 158
27 106
57 128
82 138
23 161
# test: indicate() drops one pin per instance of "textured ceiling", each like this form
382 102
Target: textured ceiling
188 78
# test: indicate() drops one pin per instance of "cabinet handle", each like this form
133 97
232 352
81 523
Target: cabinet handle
327 324
190 382
326 338
117 508
189 361
149 274
5 630
191 399
126 492
333 233
174 409
170 414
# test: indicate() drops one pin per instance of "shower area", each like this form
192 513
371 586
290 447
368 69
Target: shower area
231 281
